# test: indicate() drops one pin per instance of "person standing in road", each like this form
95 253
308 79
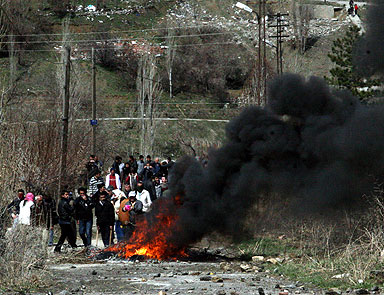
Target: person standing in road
66 212
84 216
143 196
105 218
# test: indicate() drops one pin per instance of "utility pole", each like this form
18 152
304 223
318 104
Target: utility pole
280 24
261 51
64 139
94 121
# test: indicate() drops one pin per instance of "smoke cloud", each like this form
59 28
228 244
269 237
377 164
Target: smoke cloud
311 143
319 146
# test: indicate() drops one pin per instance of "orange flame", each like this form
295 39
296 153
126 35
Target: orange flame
152 240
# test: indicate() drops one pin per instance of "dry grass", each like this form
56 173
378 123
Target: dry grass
23 258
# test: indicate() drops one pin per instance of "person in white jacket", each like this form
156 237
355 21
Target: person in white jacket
113 179
143 196
25 209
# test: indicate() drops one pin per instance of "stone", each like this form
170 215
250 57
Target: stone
205 278
217 280
65 292
94 272
258 258
221 292
261 291
158 275
361 291
162 293
375 289
245 267
333 291
272 260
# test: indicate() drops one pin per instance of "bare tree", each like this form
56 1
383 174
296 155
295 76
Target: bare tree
148 86
170 56
301 15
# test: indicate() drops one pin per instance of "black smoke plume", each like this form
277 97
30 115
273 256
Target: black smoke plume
310 143
370 50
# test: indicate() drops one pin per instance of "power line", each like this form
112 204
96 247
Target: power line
114 39
111 32
116 48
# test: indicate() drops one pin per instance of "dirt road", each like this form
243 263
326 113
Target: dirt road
178 277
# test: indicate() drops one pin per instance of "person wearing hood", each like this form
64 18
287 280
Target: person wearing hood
25 209
117 197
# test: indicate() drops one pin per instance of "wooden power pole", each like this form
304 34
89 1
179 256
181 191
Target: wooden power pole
64 139
94 121
280 24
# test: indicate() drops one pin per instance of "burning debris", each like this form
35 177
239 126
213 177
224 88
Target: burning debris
151 239
311 144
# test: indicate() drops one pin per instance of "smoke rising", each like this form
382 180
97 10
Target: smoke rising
310 142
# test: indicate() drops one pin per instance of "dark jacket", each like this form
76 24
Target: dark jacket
83 209
137 210
150 187
14 206
65 211
49 211
105 213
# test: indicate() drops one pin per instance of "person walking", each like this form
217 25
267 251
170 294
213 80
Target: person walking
66 212
94 181
25 209
117 197
84 216
143 196
105 218
356 8
129 212
50 216
113 179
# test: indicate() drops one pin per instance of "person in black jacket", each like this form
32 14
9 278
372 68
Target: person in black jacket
84 216
50 216
14 207
105 218
65 211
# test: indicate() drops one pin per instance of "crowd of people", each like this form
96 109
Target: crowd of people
127 192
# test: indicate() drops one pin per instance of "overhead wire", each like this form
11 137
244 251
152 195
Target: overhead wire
114 39
117 48
110 32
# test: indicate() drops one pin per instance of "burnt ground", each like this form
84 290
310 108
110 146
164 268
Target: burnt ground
219 275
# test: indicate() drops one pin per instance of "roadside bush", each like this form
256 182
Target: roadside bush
23 258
